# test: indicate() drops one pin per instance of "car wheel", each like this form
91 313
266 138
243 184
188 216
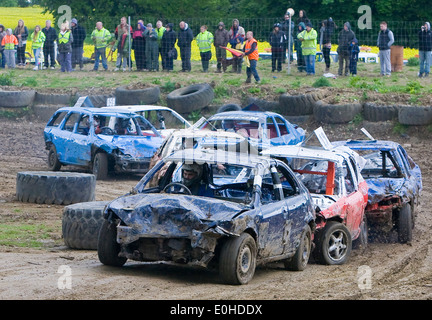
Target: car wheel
100 166
53 161
301 258
237 261
107 247
405 224
333 244
362 240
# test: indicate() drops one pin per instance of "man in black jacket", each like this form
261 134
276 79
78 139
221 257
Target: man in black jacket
425 49
48 49
277 40
346 36
185 37
168 50
79 35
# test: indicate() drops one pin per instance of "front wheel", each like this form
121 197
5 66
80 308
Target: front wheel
100 166
107 247
237 261
301 258
333 244
53 161
405 224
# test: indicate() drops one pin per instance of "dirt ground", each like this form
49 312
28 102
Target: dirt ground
398 271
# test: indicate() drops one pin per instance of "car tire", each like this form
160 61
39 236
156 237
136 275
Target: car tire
229 107
17 99
126 97
61 188
53 161
237 260
376 113
415 116
405 224
301 258
333 244
107 247
336 114
190 98
299 105
362 240
100 166
81 223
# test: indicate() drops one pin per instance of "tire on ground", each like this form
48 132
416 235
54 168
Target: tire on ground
415 115
17 99
125 96
299 105
81 224
375 113
190 98
229 107
328 113
61 188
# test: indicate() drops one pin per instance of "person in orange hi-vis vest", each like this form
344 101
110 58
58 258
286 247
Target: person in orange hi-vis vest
251 56
10 43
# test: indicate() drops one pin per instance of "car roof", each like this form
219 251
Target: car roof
337 154
136 108
245 115
368 144
99 111
211 156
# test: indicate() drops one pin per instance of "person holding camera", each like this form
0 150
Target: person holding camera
425 49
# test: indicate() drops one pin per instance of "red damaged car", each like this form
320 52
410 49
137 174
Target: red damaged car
340 195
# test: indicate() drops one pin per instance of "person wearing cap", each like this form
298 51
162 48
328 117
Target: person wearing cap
169 51
204 40
277 40
308 38
10 44
221 39
151 48
425 49
79 35
192 178
346 36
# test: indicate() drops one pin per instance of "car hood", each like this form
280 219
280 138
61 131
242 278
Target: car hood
381 188
156 215
136 147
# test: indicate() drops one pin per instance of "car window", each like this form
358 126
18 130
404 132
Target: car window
84 125
404 159
57 119
245 128
71 121
379 164
163 119
289 185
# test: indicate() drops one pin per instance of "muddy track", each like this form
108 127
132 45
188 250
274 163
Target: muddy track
398 271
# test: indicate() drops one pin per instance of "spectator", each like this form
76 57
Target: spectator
185 37
9 43
326 32
2 57
79 35
236 39
122 44
425 49
308 38
119 29
302 17
251 51
48 48
221 39
169 52
354 54
160 29
38 39
138 45
152 48
21 33
384 42
100 37
285 25
301 64
64 42
346 36
204 41
277 40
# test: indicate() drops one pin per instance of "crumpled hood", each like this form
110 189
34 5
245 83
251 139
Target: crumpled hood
171 215
137 147
381 188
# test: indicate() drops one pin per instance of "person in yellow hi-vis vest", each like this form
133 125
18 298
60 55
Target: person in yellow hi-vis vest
204 41
38 39
64 44
308 38
100 37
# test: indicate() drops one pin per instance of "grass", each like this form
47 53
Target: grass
25 235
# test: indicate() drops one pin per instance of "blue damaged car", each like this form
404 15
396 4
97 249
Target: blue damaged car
102 140
262 129
212 208
395 183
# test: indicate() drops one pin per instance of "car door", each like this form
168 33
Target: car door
61 137
80 141
71 139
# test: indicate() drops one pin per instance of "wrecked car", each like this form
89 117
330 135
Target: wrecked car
212 209
164 119
395 184
262 129
102 140
339 193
